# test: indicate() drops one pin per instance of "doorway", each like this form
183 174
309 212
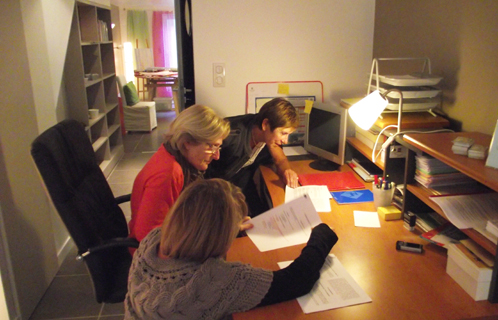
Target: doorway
185 48
184 45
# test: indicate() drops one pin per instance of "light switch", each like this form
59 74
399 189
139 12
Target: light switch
218 74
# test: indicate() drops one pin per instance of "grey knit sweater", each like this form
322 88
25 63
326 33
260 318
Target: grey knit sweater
178 289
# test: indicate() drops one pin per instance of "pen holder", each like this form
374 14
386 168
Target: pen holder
382 197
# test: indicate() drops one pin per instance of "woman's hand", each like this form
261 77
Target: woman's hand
291 178
246 225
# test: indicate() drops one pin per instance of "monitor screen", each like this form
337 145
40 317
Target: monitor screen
326 135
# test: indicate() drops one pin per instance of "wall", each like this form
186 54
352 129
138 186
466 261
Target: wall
461 39
33 44
281 40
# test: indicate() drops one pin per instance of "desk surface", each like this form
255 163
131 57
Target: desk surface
402 285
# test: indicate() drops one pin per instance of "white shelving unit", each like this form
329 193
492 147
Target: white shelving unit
420 91
91 52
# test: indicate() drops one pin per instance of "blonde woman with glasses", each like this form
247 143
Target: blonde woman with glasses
193 141
179 272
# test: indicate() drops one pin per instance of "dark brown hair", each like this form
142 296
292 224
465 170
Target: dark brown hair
280 114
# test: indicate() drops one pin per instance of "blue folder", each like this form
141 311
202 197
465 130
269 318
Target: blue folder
356 196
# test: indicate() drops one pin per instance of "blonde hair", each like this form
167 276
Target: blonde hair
196 124
204 221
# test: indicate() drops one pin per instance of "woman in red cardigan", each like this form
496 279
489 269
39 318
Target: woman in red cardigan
194 140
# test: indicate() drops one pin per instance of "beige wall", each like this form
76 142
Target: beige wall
33 43
281 40
461 39
25 209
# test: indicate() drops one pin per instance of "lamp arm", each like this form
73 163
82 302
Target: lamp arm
400 107
375 65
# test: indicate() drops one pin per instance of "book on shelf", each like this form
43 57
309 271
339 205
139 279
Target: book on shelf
431 172
437 230
467 188
482 254
427 221
368 142
444 235
367 170
398 196
430 165
443 179
470 211
492 226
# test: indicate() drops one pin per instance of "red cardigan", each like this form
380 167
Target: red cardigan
155 189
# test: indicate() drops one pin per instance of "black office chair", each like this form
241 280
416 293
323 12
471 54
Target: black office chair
79 190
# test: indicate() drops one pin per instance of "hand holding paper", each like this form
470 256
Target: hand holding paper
286 225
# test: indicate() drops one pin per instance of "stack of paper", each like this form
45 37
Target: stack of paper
319 195
370 137
431 172
492 227
432 165
290 224
477 151
461 145
469 211
280 227
336 288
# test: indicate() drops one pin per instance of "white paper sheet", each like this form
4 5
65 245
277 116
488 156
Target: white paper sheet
336 288
469 211
286 225
366 219
320 196
294 151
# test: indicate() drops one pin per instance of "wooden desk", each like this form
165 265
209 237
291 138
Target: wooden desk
402 285
148 82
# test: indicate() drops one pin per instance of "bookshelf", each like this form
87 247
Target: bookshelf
90 81
417 198
364 150
393 166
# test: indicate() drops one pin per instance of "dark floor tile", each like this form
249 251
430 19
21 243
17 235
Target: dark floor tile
68 297
130 142
72 267
80 318
111 317
113 309
135 160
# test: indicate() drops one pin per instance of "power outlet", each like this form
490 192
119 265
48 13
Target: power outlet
397 151
218 74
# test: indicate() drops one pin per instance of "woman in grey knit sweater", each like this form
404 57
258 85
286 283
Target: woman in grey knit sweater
179 272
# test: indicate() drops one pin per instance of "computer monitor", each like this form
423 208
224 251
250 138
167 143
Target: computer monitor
326 135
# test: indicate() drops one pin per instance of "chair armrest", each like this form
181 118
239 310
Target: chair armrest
116 242
123 198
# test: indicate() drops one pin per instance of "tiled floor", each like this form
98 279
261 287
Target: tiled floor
70 295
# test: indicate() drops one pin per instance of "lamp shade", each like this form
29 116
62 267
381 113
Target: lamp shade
366 111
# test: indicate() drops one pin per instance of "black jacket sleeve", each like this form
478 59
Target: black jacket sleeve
300 276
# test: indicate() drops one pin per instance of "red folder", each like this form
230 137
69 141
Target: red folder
333 180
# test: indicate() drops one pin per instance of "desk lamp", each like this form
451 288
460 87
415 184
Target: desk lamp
366 111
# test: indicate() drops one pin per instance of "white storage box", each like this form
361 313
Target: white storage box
163 104
471 274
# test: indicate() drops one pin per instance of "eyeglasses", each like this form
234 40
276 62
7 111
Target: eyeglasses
212 149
